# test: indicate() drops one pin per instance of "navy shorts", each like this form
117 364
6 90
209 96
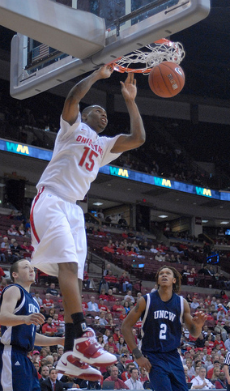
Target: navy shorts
167 373
17 373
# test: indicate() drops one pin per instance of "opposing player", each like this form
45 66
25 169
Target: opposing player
162 313
58 231
19 315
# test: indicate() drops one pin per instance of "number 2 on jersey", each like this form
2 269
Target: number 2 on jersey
162 333
89 164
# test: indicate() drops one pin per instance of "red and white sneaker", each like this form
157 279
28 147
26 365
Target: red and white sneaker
69 364
87 349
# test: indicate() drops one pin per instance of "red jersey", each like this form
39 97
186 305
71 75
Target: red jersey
49 328
103 307
84 305
48 302
103 297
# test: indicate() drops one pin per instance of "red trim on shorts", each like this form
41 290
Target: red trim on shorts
32 216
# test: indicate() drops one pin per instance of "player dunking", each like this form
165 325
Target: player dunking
58 231
19 315
162 313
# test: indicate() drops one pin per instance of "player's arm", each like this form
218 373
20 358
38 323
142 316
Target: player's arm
195 323
42 340
137 131
71 107
126 329
9 302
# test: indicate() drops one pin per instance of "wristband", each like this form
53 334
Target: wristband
137 353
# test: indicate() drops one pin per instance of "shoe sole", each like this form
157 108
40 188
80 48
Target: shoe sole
84 376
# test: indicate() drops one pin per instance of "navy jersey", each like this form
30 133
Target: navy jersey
21 336
161 323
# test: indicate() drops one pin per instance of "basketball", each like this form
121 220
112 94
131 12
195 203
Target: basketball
167 79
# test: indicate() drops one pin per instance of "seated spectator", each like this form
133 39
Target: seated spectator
121 363
13 231
52 383
100 339
52 290
106 335
133 383
201 381
116 334
153 249
60 325
48 302
48 328
200 341
216 364
129 297
111 280
102 306
102 320
190 370
125 282
159 257
37 297
110 296
117 307
219 342
103 295
112 343
15 248
187 378
44 373
219 329
92 305
221 381
118 383
123 315
184 273
194 305
121 250
121 344
127 306
21 229
143 375
86 280
127 373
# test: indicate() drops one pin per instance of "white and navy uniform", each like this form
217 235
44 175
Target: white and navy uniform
57 223
227 362
161 334
17 373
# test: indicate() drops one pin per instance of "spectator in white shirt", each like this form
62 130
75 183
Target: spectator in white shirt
200 382
227 343
191 370
129 297
194 304
133 383
92 305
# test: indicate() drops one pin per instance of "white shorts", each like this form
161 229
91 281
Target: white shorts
58 233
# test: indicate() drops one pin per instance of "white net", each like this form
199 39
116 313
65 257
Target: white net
150 56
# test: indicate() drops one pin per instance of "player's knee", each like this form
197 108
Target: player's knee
68 267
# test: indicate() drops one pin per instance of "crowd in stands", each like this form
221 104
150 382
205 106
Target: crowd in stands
202 358
107 306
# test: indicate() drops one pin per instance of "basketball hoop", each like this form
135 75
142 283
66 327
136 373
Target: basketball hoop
150 56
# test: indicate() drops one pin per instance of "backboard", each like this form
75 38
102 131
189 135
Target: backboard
58 40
